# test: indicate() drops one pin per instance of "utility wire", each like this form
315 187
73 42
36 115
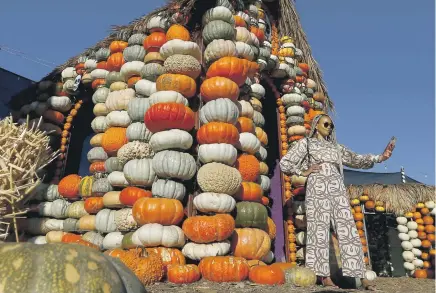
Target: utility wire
27 57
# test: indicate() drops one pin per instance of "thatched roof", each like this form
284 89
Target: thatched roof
283 13
399 198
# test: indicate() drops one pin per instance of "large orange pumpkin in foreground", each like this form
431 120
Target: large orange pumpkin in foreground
207 229
68 187
250 243
164 211
218 132
164 116
224 268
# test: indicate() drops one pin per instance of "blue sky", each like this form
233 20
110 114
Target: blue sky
377 58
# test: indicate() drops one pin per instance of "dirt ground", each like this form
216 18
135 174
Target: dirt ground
388 285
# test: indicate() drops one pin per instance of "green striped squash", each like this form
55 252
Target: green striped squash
85 186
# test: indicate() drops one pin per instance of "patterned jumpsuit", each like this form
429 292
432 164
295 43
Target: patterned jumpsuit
327 201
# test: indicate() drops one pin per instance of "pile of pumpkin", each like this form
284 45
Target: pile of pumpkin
144 86
358 215
417 233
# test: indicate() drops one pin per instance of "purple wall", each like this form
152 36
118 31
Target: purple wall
277 214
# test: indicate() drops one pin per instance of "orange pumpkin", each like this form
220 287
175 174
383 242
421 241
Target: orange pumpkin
425 256
419 221
421 228
116 252
416 215
114 62
249 191
117 46
68 187
359 225
304 67
250 243
295 137
130 195
431 238
292 247
177 31
132 81
164 211
428 220
219 87
267 275
113 139
429 229
245 124
93 205
265 200
217 132
154 41
363 240
420 274
207 229
361 233
183 274
358 216
70 237
80 68
422 235
177 82
283 265
248 166
262 136
164 116
239 21
357 209
102 65
224 268
271 228
169 256
233 68
97 167
424 211
253 68
425 243
254 263
98 82
370 204
259 33
54 116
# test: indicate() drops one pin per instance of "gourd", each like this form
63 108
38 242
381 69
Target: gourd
251 214
85 266
248 166
258 119
117 179
219 178
244 50
111 199
219 48
224 268
229 67
248 143
118 119
137 108
217 152
218 29
218 13
138 131
218 132
300 277
214 202
250 243
113 164
61 104
119 100
168 189
207 229
173 164
134 150
134 53
183 64
99 124
219 110
100 109
101 186
264 182
250 192
105 221
130 195
76 210
182 84
245 109
152 71
181 47
113 139
171 139
163 211
69 186
139 172
152 235
112 240
145 88
93 205
168 97
94 238
197 251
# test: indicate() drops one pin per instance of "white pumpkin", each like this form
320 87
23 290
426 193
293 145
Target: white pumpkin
173 164
245 109
416 252
112 164
262 154
134 53
248 143
152 71
44 209
124 220
117 178
112 240
168 97
171 139
99 124
196 251
37 240
412 234
214 202
243 35
418 263
99 74
409 266
401 220
90 65
408 256
140 172
265 182
111 199
168 189
257 91
68 73
137 108
118 85
281 72
118 119
61 104
218 49
217 152
105 221
295 111
145 87
301 238
402 229
412 225
299 207
218 13
94 237
292 99
219 110
370 275
430 204
258 119
296 130
97 154
244 51
177 46
152 235
404 236
100 109
415 242
76 210
100 95
119 100
138 131
406 245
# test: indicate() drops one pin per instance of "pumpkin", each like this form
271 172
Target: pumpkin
207 229
358 216
168 97
250 243
219 87
124 221
430 229
105 221
138 131
420 274
173 164
54 116
169 256
136 108
168 189
248 142
130 195
68 187
249 191
113 139
179 47
117 179
262 136
148 267
152 235
217 152
164 116
154 41
249 167
182 84
157 210
85 186
300 277
117 46
428 220
217 49
197 251
171 139
134 53
93 205
183 64
183 274
218 29
214 202
85 266
218 132
267 275
271 228
219 110
219 178
245 124
115 62
224 268
232 68
177 31
283 265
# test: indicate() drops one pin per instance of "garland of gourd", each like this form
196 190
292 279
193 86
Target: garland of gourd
417 233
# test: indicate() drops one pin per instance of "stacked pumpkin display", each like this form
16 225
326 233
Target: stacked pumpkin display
358 215
416 231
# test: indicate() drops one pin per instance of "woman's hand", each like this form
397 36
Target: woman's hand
312 169
388 151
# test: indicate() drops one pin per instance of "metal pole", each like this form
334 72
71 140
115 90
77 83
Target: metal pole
403 175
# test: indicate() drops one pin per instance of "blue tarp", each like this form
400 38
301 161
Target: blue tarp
352 177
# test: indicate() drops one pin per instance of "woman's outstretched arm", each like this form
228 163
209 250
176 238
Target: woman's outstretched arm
357 161
289 164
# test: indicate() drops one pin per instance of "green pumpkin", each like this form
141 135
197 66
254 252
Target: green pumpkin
62 268
251 215
218 29
127 242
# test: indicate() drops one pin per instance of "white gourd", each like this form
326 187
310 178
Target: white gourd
402 229
218 13
430 204
258 119
173 164
111 199
245 109
152 235
412 225
265 182
140 172
292 99
145 87
301 238
416 252
404 236
408 256
97 154
37 240
119 100
124 220
168 97
406 245
244 51
171 139
243 35
94 237
100 109
257 91
296 130
295 111
412 234
157 23
68 73
99 74
105 221
138 131
168 189
117 178
197 251
99 124
219 48
137 108
261 154
409 266
100 95
401 220
418 263
61 104
214 202
177 46
415 242
132 68
118 119
217 152
112 240
219 110
248 143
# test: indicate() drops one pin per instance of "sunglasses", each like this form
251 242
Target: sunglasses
328 124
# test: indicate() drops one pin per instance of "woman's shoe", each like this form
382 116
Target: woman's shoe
366 285
327 282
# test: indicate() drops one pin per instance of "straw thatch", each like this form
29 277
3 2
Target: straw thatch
399 198
284 12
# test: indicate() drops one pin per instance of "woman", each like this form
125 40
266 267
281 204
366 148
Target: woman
320 158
